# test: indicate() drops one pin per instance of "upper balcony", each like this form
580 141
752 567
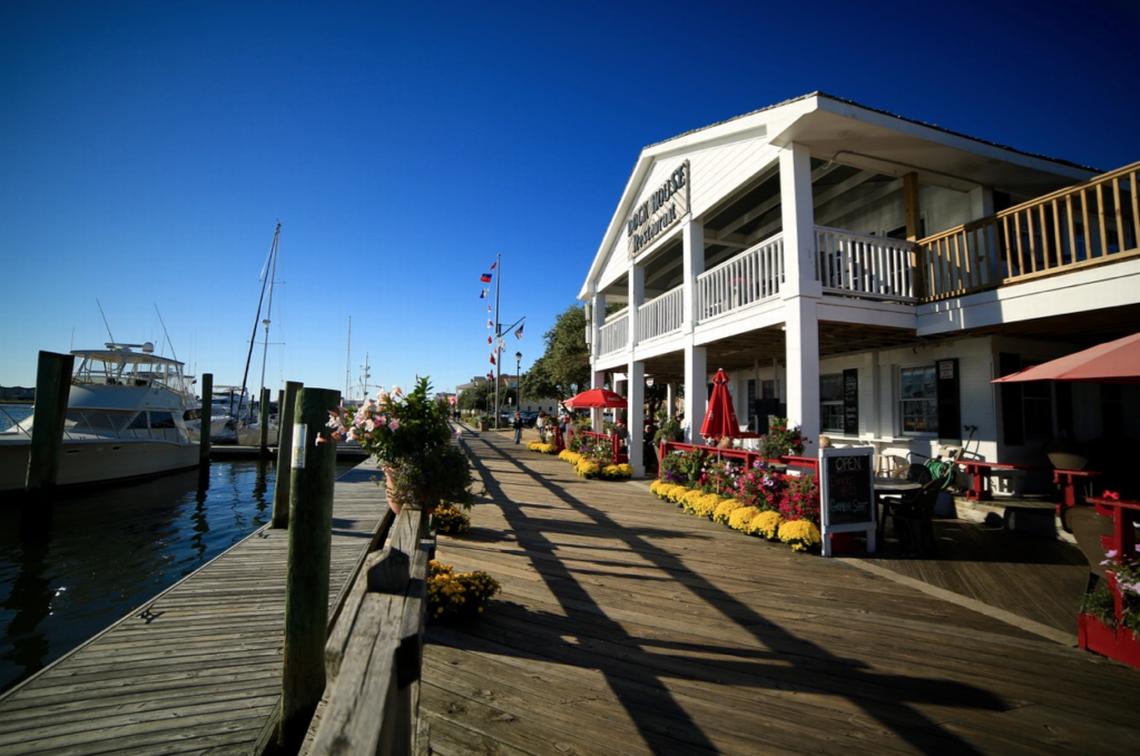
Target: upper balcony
1093 223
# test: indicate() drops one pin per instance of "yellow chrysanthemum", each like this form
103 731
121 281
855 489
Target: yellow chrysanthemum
801 535
725 509
741 518
766 524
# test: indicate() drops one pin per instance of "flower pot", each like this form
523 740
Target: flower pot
1121 644
394 502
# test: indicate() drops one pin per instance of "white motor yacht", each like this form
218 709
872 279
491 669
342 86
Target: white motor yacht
125 419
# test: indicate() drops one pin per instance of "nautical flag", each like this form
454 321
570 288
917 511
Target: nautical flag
494 264
518 331
488 309
489 341
490 324
485 278
502 346
492 358
483 294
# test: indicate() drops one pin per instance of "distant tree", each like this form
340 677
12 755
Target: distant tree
566 361
478 397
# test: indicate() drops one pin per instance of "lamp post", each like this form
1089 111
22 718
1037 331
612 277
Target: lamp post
518 381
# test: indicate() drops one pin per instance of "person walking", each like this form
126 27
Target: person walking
517 424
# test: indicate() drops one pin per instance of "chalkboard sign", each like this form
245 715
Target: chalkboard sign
847 493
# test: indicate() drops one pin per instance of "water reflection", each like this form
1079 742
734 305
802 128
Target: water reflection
69 570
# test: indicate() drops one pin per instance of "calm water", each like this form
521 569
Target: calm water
106 552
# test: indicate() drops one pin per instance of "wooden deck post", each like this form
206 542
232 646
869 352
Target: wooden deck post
284 454
53 387
207 418
263 423
307 573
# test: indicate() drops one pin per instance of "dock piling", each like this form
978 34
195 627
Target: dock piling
53 387
284 452
312 475
207 418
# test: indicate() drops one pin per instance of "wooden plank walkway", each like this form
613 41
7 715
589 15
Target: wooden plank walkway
629 627
200 669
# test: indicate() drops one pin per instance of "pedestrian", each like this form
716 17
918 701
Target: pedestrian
517 424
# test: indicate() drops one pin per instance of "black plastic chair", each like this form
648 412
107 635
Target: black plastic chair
912 514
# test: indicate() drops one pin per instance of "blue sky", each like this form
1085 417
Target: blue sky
147 151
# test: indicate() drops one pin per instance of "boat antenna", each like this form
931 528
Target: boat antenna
165 335
105 323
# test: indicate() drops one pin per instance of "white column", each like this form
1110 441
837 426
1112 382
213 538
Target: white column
670 400
636 299
696 391
801 292
693 236
635 417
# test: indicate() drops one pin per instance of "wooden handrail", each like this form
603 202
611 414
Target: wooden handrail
373 655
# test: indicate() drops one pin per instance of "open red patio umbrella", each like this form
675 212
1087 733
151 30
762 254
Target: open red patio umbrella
598 397
1112 362
720 419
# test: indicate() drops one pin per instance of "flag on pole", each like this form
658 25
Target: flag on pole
492 358
494 264
490 324
485 278
518 331
502 346
489 341
483 294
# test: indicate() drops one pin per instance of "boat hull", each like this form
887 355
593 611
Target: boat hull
90 461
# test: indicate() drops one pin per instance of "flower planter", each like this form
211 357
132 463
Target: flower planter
1121 644
843 543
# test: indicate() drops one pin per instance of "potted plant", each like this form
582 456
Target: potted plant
670 430
411 439
781 440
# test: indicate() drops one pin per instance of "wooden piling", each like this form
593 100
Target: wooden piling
263 423
313 472
207 418
285 410
53 388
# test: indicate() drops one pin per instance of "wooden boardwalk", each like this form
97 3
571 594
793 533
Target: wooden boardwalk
629 627
199 671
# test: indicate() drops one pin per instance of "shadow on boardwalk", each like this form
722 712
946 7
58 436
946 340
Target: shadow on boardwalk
628 627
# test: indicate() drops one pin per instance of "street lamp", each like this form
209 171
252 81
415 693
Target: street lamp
518 380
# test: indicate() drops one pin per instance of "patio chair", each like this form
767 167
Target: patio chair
912 514
1087 528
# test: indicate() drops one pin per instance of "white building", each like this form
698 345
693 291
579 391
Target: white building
867 276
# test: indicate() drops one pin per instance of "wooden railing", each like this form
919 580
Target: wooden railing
745 457
617 454
750 277
1088 224
661 316
373 655
863 265
615 334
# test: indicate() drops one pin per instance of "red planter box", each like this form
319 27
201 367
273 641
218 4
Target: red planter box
1120 645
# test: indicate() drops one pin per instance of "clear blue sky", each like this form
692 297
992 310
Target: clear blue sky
147 150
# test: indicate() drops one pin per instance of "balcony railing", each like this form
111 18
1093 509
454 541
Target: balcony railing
750 277
615 334
1085 225
660 316
862 265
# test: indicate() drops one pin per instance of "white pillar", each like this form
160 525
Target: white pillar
636 299
635 417
670 400
696 391
801 291
693 237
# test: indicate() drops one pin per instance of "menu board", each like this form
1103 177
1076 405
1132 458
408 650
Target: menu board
851 402
847 491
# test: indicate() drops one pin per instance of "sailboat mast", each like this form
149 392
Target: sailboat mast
269 309
256 320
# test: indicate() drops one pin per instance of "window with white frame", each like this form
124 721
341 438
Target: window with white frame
918 399
831 402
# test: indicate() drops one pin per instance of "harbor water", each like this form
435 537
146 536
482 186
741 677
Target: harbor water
103 553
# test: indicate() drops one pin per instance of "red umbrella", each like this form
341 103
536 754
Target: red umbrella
720 419
598 397
1113 362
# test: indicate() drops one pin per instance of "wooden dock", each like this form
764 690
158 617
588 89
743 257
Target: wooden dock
629 627
197 671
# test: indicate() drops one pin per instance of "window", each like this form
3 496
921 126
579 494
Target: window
918 400
831 402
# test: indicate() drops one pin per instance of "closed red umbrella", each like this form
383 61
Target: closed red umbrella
1112 362
720 419
598 397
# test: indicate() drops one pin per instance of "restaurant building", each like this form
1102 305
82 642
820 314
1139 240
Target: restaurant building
867 276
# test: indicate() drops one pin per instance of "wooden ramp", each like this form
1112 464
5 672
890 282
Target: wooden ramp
199 670
629 627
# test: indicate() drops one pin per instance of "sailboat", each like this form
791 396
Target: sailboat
249 433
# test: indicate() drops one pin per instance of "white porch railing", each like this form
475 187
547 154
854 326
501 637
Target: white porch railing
615 334
863 265
748 278
661 316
